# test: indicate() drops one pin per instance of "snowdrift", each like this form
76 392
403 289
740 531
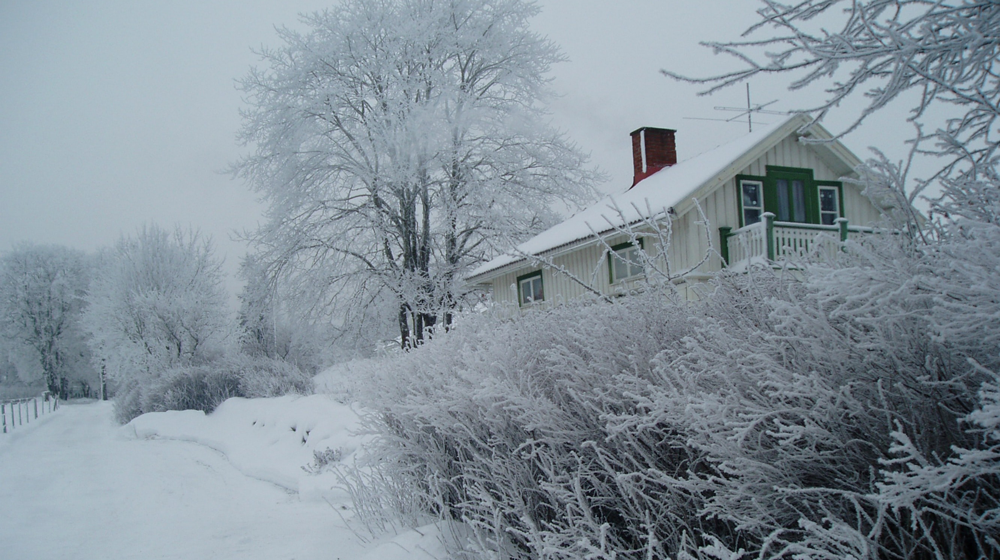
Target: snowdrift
271 439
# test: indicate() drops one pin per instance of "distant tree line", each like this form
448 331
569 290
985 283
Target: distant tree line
146 320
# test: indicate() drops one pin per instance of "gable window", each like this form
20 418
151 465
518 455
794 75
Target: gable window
791 194
753 201
529 288
625 262
829 204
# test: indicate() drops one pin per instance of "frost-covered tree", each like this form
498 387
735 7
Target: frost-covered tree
278 327
395 142
945 52
156 302
42 290
257 315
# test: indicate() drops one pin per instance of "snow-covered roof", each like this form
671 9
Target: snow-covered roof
665 189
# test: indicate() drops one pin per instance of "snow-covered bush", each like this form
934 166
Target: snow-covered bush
205 386
266 377
837 411
191 388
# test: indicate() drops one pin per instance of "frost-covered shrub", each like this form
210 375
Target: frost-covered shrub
505 426
128 400
191 388
843 411
204 387
268 377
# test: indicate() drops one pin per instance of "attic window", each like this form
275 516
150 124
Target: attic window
529 288
625 261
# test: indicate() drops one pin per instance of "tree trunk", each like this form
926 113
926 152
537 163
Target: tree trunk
404 326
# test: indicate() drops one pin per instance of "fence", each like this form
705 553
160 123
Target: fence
19 412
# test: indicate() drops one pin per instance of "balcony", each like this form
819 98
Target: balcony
769 241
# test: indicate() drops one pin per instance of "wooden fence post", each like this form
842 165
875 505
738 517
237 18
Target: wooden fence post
19 417
36 408
3 412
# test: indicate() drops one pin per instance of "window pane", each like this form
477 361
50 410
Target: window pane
621 269
828 200
635 269
799 200
625 263
784 210
829 205
634 262
751 195
531 290
753 201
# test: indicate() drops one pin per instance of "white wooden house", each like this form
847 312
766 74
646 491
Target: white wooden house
767 195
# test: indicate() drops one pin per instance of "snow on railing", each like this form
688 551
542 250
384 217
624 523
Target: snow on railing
18 412
746 243
799 241
785 241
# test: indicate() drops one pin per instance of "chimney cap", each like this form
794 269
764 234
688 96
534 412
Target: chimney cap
658 129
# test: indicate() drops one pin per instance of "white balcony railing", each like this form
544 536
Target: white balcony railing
772 241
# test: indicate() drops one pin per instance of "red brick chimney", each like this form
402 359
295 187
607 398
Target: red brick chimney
652 150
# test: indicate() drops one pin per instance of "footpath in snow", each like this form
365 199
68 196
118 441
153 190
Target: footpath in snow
185 485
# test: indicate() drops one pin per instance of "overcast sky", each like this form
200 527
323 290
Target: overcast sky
118 113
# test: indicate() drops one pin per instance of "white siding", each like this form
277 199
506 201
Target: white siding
588 265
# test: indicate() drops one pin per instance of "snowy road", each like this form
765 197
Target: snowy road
77 487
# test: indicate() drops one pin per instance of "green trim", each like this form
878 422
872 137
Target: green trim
538 273
613 251
770 191
768 218
840 198
794 170
789 174
724 233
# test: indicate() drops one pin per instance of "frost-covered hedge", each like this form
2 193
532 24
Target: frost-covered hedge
853 411
204 387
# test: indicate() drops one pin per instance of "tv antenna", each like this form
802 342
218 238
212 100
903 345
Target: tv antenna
747 111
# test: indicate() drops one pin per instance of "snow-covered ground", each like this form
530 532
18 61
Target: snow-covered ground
187 485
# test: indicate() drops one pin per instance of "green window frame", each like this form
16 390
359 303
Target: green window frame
751 199
792 195
530 289
829 216
624 262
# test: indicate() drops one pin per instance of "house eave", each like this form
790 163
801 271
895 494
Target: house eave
489 275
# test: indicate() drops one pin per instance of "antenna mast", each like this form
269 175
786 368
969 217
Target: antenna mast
749 110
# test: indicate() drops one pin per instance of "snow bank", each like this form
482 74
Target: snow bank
273 439
268 439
